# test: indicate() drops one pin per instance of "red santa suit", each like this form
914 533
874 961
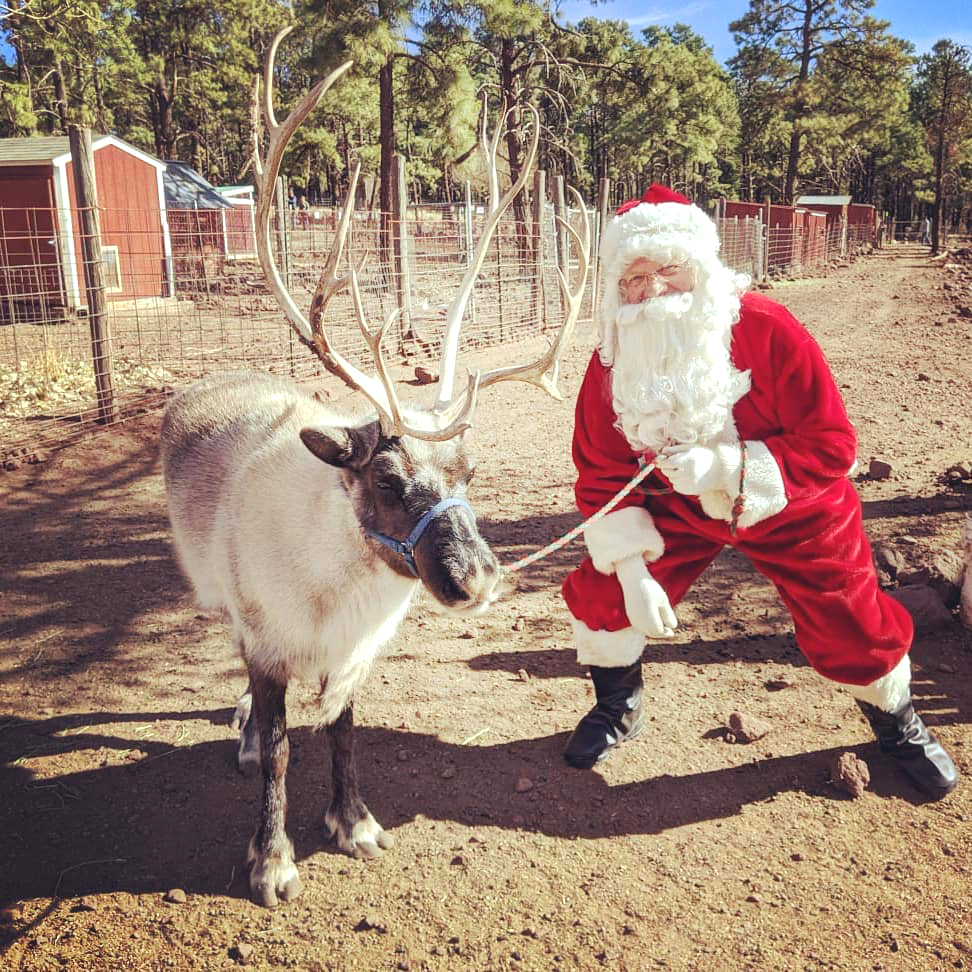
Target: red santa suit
800 520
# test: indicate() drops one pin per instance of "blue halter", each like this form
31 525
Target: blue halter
405 547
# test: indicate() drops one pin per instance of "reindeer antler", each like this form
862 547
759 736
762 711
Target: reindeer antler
543 371
452 415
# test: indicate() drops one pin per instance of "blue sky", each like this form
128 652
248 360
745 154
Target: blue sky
922 22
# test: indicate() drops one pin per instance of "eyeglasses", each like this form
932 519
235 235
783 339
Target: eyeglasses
641 282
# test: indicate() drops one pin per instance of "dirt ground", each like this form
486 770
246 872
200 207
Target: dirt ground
681 851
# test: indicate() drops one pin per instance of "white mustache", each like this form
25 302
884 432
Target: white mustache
655 309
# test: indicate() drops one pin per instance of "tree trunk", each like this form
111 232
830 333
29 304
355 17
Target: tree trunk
386 101
514 144
60 95
939 210
165 139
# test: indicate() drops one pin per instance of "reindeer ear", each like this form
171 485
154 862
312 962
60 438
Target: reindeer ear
343 447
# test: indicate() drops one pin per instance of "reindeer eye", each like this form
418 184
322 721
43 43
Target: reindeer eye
391 487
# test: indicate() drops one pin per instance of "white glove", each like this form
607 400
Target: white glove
645 600
693 470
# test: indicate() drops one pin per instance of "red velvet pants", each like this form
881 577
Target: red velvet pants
816 555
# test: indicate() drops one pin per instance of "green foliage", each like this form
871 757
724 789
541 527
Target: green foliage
827 74
840 106
942 105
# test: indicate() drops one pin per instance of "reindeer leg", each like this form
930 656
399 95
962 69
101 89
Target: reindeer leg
271 854
347 818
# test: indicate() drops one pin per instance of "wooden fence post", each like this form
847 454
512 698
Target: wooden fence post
283 229
467 223
539 201
560 234
400 246
600 221
82 158
282 199
768 231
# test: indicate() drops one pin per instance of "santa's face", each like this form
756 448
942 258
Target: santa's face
644 279
672 377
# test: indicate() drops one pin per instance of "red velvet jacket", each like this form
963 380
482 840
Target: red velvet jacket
793 406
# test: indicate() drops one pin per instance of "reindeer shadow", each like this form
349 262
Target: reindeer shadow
182 816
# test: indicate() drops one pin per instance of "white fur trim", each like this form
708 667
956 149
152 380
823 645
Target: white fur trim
621 534
764 494
888 692
654 228
607 649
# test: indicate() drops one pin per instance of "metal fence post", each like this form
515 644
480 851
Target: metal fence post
82 159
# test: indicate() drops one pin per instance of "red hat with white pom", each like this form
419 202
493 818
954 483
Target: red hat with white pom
662 225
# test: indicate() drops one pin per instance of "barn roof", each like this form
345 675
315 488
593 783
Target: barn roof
823 201
42 148
56 149
185 188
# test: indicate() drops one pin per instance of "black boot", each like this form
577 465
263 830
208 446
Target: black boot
616 717
920 755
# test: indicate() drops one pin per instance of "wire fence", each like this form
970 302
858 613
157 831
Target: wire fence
186 298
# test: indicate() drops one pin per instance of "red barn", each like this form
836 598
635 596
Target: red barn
40 245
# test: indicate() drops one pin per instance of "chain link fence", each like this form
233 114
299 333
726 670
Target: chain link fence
203 306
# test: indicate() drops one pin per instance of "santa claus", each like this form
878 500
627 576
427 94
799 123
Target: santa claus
731 398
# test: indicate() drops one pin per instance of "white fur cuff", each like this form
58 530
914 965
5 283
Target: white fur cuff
888 692
621 534
607 649
764 494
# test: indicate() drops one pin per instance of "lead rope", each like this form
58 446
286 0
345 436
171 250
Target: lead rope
593 518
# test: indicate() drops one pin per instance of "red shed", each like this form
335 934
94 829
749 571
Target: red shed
862 223
784 225
40 247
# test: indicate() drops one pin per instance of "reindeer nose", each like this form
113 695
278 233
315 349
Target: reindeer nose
479 588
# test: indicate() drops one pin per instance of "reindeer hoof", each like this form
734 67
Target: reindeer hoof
364 839
368 850
273 877
274 886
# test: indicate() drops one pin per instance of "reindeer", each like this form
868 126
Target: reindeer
285 514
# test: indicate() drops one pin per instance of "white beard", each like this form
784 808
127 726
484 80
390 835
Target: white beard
672 378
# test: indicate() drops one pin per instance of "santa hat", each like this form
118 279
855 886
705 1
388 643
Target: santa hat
662 225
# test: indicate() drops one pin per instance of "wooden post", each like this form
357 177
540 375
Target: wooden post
769 212
283 255
82 159
500 286
600 221
283 236
467 223
560 234
539 201
400 246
